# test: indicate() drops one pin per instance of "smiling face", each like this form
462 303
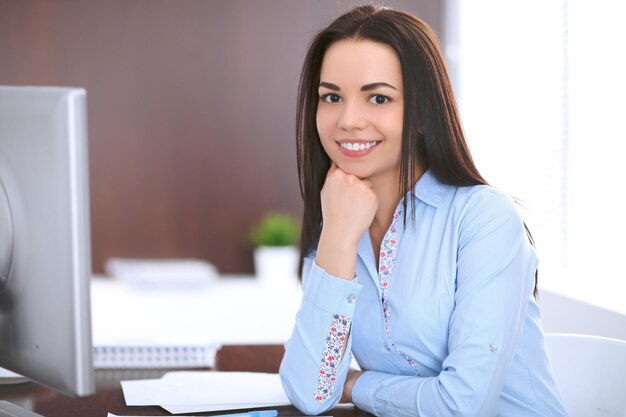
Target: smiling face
360 111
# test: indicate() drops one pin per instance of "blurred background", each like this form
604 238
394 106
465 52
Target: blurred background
191 109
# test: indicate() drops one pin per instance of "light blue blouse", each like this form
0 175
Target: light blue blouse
447 326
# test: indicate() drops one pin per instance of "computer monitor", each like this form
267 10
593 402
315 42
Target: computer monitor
45 252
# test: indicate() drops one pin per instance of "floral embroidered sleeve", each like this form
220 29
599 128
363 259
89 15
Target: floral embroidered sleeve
317 356
331 357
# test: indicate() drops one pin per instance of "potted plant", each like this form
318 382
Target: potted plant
275 237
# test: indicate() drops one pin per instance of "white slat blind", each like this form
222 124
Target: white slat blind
542 95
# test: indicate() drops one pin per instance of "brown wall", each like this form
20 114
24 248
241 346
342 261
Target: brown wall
191 111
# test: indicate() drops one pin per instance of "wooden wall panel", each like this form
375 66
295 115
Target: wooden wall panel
191 111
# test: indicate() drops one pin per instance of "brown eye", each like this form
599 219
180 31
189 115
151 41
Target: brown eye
331 98
379 99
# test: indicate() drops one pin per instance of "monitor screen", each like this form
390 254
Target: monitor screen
45 252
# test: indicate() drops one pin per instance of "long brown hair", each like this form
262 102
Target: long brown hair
432 135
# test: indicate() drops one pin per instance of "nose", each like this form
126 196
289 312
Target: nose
351 117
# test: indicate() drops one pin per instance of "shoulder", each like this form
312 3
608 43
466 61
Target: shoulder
461 200
469 208
485 198
483 210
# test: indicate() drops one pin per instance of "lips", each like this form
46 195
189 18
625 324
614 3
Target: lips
357 147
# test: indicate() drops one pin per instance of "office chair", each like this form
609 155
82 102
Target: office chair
590 372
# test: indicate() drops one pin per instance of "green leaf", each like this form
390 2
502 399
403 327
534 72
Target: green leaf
275 229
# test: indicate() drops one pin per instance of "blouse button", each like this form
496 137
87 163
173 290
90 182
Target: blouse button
387 346
351 298
493 347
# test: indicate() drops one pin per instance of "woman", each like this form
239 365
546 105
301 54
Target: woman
411 262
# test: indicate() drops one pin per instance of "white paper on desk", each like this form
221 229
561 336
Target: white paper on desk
183 392
228 387
144 391
207 408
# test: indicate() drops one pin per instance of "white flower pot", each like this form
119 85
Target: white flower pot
276 265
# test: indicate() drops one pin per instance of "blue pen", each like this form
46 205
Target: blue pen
259 413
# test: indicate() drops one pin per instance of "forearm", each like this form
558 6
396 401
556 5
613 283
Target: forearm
317 356
387 395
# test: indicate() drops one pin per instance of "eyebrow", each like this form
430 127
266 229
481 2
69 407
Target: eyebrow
366 87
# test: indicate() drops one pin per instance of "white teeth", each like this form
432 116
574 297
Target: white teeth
357 146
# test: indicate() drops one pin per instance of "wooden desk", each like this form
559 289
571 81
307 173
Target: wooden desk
109 396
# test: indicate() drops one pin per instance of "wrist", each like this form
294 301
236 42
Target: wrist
336 256
353 375
340 239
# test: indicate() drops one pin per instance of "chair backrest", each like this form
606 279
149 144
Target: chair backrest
591 373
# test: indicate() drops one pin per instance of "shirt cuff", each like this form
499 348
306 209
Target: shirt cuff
364 389
330 293
380 393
